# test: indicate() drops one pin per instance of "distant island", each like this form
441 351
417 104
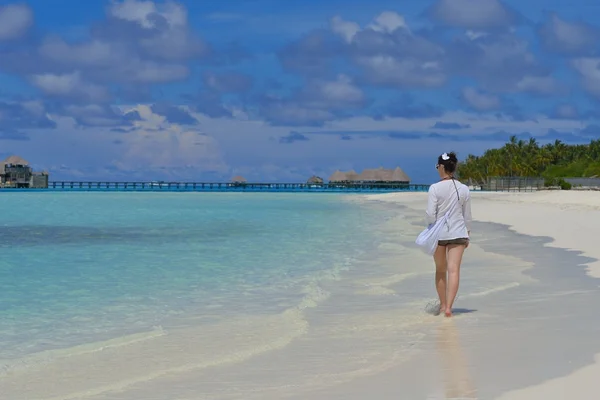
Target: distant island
519 158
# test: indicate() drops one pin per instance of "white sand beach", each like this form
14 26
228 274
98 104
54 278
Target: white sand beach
524 327
566 216
572 220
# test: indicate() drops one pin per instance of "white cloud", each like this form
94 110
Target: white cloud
292 113
345 29
473 35
566 111
479 124
150 72
141 12
390 54
388 22
339 91
94 115
318 101
35 107
138 44
15 20
589 70
70 85
174 42
479 100
538 85
406 72
155 143
473 14
568 37
92 53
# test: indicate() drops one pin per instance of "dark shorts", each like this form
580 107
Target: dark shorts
462 241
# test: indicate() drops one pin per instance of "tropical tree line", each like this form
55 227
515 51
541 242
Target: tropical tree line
520 158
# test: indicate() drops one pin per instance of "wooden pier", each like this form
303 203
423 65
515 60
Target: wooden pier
228 187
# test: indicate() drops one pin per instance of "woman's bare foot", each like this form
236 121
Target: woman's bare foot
441 310
448 312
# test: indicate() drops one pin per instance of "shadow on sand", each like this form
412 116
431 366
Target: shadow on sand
459 311
433 308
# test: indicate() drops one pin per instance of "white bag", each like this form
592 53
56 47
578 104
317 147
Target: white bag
428 239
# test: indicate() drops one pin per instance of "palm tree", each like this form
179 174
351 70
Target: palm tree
519 158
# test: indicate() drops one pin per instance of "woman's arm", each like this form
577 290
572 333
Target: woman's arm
431 212
466 208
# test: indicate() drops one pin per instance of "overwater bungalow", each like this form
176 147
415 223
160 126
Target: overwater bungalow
351 175
315 180
338 177
238 180
375 175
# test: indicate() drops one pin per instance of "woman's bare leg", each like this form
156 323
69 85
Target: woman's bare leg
440 275
455 254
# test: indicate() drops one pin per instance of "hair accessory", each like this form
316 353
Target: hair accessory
445 157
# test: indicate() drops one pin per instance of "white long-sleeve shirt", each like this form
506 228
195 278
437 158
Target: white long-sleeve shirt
442 196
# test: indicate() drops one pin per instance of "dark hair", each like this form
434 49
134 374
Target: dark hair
450 163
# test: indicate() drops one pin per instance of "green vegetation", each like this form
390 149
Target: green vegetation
519 158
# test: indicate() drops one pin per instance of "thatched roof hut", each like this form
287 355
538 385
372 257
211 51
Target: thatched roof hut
15 160
338 176
315 180
383 175
400 176
238 179
372 175
351 175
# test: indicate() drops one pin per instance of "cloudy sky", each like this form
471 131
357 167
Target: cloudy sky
280 90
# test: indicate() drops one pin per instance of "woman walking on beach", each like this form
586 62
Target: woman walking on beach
452 197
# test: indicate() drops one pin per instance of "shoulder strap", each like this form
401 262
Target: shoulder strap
457 196
455 188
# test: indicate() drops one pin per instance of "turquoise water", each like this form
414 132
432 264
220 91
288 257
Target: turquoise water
83 267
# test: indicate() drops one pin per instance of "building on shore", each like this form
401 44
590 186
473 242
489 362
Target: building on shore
15 172
375 175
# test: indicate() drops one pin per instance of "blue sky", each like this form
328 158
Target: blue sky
279 91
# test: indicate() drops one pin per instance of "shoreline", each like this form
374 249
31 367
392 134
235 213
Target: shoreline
535 214
365 330
530 205
570 236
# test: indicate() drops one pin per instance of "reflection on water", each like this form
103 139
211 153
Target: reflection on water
456 377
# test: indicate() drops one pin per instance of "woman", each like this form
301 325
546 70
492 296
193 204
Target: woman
452 197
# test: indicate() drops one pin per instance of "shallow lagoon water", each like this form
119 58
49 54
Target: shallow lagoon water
83 267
